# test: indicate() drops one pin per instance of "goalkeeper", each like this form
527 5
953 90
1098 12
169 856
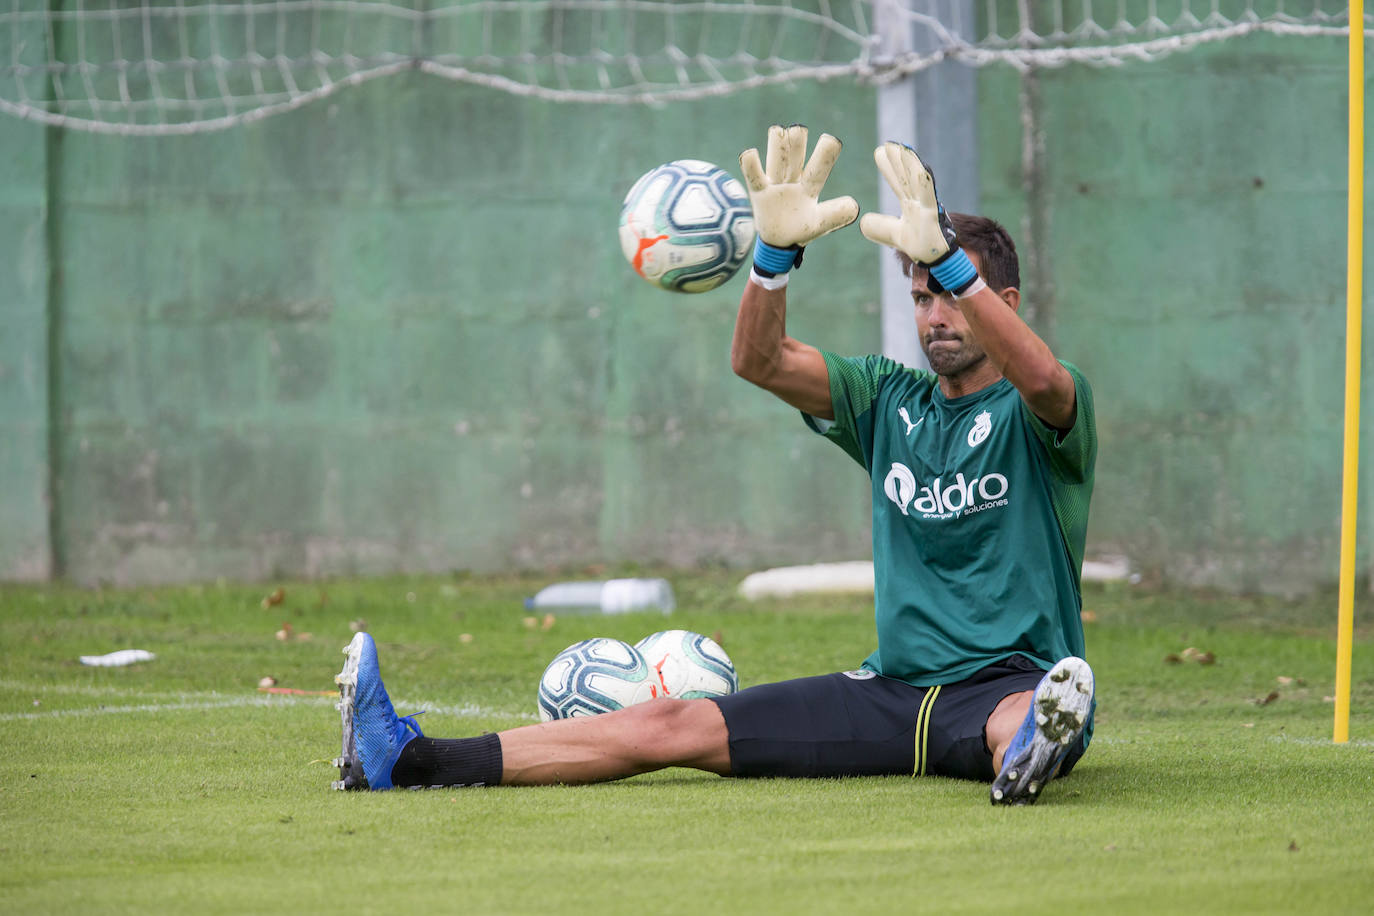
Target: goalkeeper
981 472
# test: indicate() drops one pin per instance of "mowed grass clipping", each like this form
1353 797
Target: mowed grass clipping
177 786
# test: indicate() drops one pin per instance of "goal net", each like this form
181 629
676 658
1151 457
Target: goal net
183 66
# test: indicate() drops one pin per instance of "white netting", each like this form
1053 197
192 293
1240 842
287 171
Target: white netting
182 66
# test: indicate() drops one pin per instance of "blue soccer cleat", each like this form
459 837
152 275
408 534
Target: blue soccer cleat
373 734
1056 718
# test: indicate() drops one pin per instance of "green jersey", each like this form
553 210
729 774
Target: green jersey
980 511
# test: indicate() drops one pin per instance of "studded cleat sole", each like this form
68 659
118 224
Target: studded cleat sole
350 769
1061 705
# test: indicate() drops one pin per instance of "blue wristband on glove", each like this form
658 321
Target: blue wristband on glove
954 272
771 260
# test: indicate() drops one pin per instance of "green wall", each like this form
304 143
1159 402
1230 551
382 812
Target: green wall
24 540
393 330
25 274
1195 213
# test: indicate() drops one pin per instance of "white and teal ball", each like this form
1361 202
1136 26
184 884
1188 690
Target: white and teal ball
595 676
687 226
687 665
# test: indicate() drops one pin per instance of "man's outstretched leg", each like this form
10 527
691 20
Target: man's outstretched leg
381 750
1056 718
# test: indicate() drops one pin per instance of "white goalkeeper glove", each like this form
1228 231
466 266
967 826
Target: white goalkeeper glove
788 212
923 232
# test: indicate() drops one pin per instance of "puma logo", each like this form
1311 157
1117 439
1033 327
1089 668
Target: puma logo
644 246
906 418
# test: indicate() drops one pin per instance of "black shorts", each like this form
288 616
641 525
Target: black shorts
858 723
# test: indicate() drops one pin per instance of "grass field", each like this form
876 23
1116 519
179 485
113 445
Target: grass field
177 786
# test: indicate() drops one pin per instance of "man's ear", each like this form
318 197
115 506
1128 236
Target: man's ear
1011 296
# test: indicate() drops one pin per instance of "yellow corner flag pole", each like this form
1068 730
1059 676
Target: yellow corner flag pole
1345 624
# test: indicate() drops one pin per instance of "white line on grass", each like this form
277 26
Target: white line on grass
1298 739
225 703
465 711
1290 739
91 691
187 702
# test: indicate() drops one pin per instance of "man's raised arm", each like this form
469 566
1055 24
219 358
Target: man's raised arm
788 215
925 234
762 353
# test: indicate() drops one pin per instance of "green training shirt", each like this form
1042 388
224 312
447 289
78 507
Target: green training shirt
980 511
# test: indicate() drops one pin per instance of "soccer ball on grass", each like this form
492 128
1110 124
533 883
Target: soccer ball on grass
686 226
595 676
687 665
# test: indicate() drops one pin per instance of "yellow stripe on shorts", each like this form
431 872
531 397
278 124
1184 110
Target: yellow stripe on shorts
923 729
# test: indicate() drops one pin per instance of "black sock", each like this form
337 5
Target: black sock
435 762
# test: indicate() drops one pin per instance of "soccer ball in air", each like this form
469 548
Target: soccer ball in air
687 665
686 226
595 676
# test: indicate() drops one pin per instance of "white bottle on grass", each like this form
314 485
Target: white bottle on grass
613 596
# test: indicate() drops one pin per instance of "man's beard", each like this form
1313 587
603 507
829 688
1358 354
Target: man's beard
951 361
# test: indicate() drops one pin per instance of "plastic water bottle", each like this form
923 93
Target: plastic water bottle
118 659
613 596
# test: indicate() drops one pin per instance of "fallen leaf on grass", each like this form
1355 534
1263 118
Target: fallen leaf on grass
1191 654
297 692
275 598
549 621
267 682
465 638
1292 845
1088 616
287 634
719 638
1265 701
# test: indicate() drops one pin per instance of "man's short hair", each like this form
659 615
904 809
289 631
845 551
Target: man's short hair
1000 267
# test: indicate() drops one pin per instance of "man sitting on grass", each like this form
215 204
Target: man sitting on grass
981 470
